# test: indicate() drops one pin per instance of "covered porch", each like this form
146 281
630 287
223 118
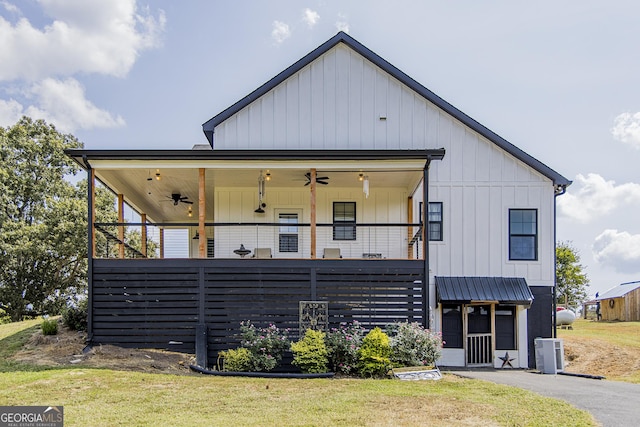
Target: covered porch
242 235
242 204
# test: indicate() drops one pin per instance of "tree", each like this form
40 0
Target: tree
571 280
42 220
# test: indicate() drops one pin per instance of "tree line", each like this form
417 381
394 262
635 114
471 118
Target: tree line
43 221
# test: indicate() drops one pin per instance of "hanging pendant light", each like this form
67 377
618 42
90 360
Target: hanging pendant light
365 186
261 205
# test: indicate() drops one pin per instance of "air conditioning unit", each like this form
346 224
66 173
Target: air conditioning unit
549 355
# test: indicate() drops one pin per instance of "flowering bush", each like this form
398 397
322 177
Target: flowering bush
266 345
343 344
373 356
412 345
310 353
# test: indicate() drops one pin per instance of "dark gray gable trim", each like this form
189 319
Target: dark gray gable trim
342 37
508 290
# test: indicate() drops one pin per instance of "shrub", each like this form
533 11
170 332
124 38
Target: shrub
412 345
238 360
75 318
310 353
4 317
266 345
343 344
49 327
373 356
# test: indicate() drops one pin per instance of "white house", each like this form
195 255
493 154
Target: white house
313 189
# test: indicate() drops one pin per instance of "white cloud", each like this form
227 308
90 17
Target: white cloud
10 112
311 17
592 197
280 31
619 250
626 128
342 24
63 104
85 36
10 7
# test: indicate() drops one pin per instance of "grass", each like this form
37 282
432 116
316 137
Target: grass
622 334
102 397
611 349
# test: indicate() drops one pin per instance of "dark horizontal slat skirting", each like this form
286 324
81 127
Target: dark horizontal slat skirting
150 303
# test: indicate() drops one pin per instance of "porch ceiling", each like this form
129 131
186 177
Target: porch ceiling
147 194
132 173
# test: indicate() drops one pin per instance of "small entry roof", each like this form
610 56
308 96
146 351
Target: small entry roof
507 290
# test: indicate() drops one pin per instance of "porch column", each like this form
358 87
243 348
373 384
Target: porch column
410 228
425 246
143 233
202 240
162 243
312 179
121 226
92 212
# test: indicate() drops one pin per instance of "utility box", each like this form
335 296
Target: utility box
549 355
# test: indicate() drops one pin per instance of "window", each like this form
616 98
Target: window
435 221
434 218
523 234
344 220
288 234
505 327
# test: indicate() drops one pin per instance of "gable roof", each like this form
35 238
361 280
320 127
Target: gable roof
342 37
620 290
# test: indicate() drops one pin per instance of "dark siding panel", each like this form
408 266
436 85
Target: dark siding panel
539 318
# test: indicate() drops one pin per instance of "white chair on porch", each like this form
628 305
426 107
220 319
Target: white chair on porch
331 253
262 253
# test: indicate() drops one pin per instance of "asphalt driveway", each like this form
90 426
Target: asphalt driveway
612 403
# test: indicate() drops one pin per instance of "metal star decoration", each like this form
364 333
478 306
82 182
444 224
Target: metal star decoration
506 360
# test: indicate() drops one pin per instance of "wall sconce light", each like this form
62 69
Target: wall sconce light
361 177
190 213
158 174
267 176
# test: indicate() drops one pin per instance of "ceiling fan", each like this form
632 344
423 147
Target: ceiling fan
177 198
319 179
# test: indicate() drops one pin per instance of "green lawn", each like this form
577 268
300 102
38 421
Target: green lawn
623 334
101 397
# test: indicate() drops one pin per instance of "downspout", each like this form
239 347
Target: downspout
425 246
559 190
90 237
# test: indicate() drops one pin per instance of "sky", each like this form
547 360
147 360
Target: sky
558 79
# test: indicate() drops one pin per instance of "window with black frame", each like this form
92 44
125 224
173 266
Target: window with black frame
434 219
523 234
288 233
344 220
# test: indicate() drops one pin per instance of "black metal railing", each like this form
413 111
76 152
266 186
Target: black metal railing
260 240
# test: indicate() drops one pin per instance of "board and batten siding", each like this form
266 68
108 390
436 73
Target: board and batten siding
384 205
336 102
478 183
